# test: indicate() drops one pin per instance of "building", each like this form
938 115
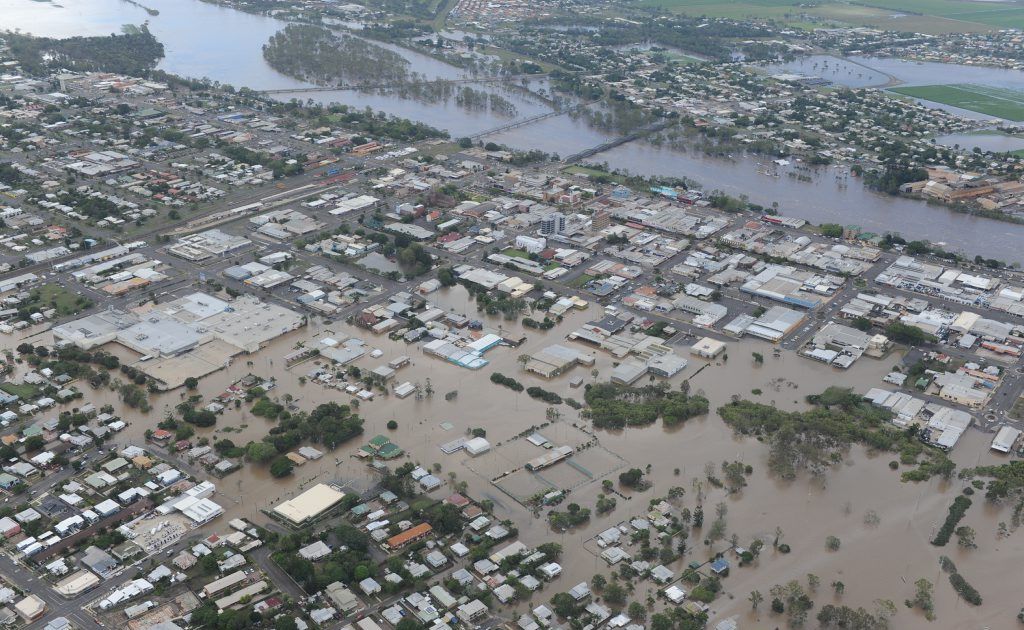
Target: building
472 611
408 536
553 223
228 581
1005 439
344 599
550 458
477 446
76 584
30 608
707 348
309 505
531 245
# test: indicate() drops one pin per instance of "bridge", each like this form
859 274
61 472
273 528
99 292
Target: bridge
629 137
385 86
532 119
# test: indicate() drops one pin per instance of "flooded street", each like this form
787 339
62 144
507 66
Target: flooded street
875 561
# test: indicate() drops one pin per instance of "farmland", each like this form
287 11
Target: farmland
929 16
991 101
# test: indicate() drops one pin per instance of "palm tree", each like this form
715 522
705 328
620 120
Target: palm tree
755 598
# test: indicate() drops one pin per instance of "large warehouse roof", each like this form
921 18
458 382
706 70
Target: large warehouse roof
309 504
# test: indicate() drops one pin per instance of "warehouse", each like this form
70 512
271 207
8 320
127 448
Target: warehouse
309 505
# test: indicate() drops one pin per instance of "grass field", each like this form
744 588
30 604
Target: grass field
991 101
927 16
59 297
23 391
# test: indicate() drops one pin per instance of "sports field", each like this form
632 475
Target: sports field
927 16
984 99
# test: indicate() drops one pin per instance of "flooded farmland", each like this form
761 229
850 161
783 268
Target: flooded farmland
877 560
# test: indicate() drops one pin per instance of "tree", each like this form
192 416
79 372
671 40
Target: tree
285 622
661 621
445 519
631 478
832 543
598 582
260 452
192 383
831 230
408 623
923 598
34 443
838 587
755 599
615 594
907 334
281 467
636 611
392 425
965 537
465 143
861 323
758 357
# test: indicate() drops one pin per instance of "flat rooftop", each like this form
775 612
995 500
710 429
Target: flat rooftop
309 504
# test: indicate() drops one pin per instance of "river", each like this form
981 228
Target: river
205 40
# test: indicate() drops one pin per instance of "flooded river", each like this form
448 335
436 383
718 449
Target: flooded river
831 196
204 40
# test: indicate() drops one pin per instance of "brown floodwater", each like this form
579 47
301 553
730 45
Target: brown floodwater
873 562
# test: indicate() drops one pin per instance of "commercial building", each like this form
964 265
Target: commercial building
76 584
477 446
555 360
30 608
773 325
1005 439
191 336
708 348
309 505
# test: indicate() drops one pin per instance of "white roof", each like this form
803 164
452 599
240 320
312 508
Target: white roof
310 503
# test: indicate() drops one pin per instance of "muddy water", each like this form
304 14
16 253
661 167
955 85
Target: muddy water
873 562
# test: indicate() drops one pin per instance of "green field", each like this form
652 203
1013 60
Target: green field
927 16
991 101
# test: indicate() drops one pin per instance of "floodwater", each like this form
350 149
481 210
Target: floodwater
839 71
984 140
874 561
204 40
831 196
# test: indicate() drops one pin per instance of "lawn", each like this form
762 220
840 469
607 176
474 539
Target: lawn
24 391
515 253
59 297
581 280
593 172
991 101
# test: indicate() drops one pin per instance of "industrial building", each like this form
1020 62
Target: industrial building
191 336
309 505
707 348
556 359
